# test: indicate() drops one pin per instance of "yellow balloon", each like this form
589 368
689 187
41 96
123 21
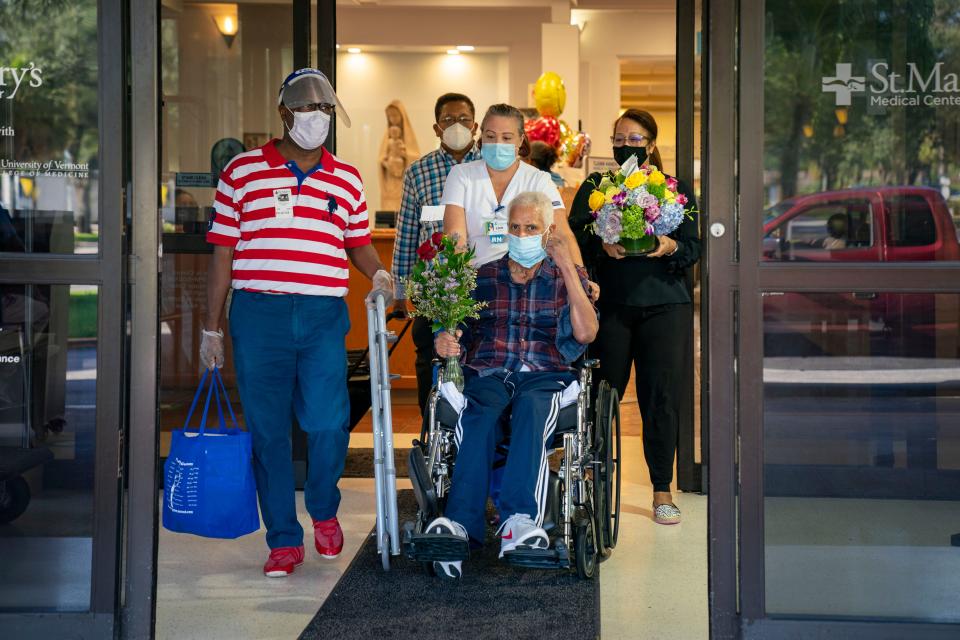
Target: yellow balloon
549 94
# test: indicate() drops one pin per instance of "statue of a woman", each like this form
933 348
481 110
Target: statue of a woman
398 149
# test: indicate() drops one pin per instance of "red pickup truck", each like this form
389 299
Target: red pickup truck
881 224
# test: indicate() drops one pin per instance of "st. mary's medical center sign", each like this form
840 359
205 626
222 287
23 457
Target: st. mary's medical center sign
883 88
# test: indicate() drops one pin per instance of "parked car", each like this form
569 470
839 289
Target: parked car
880 224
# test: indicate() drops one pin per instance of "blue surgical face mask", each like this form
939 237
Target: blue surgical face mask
498 155
526 250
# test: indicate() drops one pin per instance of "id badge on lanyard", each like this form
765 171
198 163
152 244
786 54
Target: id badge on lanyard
496 229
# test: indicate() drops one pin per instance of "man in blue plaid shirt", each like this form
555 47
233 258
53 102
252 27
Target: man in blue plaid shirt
421 213
537 321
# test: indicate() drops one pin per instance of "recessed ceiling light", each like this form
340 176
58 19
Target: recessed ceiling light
453 52
465 47
354 50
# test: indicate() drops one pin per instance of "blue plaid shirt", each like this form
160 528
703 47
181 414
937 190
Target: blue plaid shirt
524 327
422 187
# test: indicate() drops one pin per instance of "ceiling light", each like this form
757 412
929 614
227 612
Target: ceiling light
338 46
354 50
453 52
465 47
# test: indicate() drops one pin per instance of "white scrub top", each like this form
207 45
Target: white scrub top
468 185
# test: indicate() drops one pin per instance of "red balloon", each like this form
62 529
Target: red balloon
544 128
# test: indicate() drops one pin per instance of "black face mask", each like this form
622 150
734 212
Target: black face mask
622 154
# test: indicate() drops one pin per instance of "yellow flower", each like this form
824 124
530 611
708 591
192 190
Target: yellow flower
656 177
670 196
597 198
635 179
611 191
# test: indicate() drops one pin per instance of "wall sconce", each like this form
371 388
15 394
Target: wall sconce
227 23
841 113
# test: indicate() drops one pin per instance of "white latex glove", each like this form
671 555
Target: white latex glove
211 349
383 281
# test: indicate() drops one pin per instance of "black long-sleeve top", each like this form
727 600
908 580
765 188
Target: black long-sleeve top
637 281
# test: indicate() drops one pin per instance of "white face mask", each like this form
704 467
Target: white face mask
310 129
457 136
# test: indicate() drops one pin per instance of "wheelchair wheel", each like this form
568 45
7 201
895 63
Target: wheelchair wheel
586 546
607 484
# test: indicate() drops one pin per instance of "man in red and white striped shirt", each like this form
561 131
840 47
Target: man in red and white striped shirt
288 219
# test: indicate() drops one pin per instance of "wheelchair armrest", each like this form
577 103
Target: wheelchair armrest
591 363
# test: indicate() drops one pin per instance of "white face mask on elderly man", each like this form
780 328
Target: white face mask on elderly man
310 129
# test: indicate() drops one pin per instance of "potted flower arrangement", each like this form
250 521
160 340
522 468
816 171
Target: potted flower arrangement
440 289
634 205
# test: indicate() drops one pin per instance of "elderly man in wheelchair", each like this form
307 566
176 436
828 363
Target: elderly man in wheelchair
519 384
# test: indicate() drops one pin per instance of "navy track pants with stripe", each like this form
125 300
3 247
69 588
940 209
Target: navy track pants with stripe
532 400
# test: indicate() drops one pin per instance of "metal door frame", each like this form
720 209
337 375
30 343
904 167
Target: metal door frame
107 271
737 278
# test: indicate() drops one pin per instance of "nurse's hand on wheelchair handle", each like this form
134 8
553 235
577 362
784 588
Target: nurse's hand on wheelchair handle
447 345
211 349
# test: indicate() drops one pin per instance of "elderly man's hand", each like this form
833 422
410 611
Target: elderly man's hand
447 345
382 281
558 249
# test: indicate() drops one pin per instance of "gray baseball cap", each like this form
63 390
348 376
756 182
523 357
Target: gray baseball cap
310 86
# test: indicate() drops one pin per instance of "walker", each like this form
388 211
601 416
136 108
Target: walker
384 468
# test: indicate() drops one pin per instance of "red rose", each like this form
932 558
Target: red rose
437 239
426 252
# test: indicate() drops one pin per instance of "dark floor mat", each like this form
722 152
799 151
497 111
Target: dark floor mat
359 462
492 600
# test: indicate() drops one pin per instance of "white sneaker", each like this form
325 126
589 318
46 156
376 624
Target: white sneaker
520 532
450 570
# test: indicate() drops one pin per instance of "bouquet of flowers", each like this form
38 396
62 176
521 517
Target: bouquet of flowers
440 289
634 205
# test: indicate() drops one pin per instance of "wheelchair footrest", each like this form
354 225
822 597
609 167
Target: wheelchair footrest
433 547
556 558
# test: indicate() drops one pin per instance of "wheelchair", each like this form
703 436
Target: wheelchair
583 504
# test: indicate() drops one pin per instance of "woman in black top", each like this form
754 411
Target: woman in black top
645 311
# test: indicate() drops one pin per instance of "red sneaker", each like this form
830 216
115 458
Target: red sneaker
328 537
282 561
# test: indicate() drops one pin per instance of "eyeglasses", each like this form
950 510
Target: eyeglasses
634 140
446 121
326 107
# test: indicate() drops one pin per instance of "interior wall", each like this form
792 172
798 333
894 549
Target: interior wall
605 38
516 29
368 82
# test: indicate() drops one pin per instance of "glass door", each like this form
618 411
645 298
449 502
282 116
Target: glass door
839 305
61 316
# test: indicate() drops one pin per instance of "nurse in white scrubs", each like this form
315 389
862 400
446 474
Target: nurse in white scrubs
477 195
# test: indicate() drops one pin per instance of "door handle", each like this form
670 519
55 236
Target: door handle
865 295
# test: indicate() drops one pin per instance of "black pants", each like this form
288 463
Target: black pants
423 343
656 341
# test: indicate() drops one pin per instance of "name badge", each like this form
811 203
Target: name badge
283 203
496 231
432 213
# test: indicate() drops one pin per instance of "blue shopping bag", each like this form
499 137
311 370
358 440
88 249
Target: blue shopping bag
208 484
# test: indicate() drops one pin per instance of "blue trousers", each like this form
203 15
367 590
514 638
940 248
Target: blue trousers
290 357
532 399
